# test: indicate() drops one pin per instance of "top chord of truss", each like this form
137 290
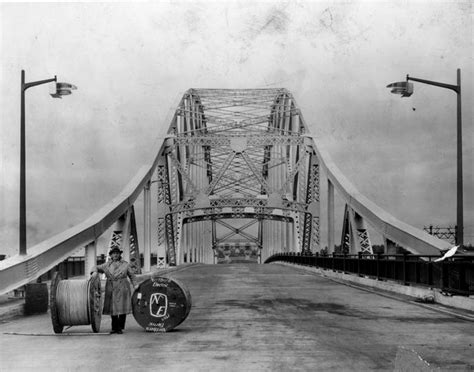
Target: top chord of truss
236 111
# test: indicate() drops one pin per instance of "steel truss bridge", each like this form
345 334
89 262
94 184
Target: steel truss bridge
236 172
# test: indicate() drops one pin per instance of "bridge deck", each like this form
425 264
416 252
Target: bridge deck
255 318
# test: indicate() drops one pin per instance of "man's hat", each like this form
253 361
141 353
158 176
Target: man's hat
115 249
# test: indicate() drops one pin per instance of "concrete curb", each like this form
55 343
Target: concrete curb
419 293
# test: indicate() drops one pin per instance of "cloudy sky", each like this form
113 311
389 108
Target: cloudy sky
131 61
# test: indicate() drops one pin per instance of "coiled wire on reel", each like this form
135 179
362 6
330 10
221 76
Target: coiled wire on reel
75 302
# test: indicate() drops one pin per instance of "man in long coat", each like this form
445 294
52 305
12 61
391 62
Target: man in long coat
118 298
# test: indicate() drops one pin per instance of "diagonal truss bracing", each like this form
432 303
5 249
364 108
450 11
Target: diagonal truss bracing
239 157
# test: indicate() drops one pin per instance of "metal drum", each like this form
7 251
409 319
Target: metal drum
160 304
75 302
36 298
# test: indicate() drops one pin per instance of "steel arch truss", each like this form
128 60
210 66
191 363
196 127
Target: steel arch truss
238 155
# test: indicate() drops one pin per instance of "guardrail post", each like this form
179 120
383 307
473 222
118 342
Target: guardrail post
359 254
417 271
378 266
430 271
405 281
333 261
460 283
444 277
344 262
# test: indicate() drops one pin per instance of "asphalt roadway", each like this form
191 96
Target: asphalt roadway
256 318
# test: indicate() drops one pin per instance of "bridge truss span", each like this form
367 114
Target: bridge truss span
239 165
237 174
246 158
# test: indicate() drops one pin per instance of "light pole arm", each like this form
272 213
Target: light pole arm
25 86
456 88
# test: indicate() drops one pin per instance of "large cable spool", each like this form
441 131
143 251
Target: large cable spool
75 302
160 304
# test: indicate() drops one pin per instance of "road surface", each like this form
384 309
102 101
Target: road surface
255 318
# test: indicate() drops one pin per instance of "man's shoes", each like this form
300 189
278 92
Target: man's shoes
119 332
114 331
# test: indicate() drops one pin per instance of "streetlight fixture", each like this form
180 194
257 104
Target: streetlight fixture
406 90
62 89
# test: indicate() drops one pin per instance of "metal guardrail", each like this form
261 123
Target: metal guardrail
75 266
453 275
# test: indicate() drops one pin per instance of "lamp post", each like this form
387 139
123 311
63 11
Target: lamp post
62 89
406 90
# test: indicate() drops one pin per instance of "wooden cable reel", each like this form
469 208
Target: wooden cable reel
75 302
161 304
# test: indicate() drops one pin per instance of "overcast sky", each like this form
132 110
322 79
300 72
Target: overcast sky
131 61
